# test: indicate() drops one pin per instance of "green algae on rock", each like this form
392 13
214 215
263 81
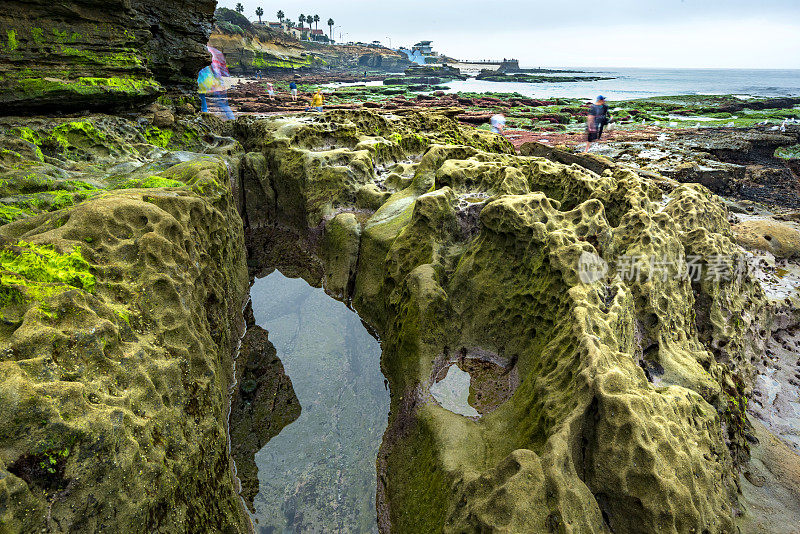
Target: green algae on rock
623 404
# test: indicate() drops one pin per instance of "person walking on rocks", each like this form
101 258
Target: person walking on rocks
293 89
212 92
270 90
598 118
317 101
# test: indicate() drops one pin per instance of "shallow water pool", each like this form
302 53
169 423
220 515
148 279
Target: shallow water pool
318 474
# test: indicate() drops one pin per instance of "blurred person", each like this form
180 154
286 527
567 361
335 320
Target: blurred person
211 86
598 118
270 90
293 88
498 123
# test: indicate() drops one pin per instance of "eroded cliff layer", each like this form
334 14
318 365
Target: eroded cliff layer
255 48
86 53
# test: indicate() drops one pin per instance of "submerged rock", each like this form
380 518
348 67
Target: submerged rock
262 405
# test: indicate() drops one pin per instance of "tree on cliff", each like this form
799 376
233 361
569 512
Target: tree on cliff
281 16
259 13
330 25
302 19
316 22
239 8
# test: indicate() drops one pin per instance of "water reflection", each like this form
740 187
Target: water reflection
452 392
318 475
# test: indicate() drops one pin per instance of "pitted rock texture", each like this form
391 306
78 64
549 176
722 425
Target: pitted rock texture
744 163
120 314
91 54
628 414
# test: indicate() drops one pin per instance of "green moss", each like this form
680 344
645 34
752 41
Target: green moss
158 181
34 138
190 135
150 182
11 213
32 88
13 44
76 134
79 186
37 34
30 271
128 59
158 137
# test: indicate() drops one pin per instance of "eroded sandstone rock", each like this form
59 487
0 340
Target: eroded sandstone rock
123 280
627 416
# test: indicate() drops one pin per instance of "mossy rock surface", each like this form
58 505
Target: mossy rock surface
627 416
121 311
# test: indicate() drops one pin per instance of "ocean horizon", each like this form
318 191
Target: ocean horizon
638 82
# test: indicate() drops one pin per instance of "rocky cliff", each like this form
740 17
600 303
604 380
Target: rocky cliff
256 48
86 53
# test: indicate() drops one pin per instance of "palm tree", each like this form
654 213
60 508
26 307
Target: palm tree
330 25
239 8
281 16
316 22
309 19
259 13
302 19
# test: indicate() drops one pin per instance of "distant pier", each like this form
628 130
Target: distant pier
470 67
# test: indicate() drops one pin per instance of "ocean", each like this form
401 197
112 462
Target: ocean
630 83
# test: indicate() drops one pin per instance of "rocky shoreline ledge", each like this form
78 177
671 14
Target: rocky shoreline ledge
118 251
614 392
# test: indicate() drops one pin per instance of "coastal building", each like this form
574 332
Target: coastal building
421 53
424 48
275 26
298 33
318 35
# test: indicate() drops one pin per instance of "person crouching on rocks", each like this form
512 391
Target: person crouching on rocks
317 101
596 121
498 123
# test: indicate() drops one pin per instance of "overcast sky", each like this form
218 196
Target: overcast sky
616 33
